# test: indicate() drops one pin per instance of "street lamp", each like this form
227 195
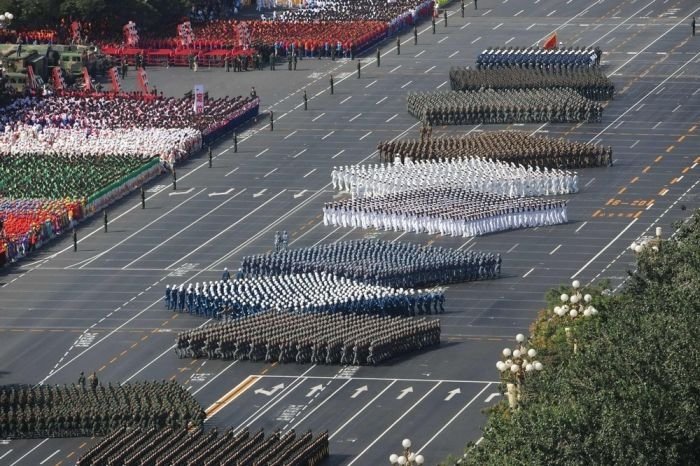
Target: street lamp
643 242
516 363
5 19
408 457
576 304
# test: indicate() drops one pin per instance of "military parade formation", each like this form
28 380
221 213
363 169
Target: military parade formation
471 173
90 408
303 338
539 57
198 447
391 264
515 147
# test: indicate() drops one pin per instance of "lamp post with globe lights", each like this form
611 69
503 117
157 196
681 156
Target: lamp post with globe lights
5 19
408 457
575 306
644 242
516 364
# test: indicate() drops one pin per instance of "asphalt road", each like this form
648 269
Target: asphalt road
101 308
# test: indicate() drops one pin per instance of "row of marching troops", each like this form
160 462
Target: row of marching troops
197 447
77 410
537 57
310 338
516 147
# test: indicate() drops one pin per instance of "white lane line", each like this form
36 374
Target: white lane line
291 134
232 171
512 248
29 452
443 39
459 413
453 54
327 135
381 100
582 225
635 143
299 153
392 117
519 13
675 109
604 248
660 90
355 117
270 172
530 26
50 456
395 68
262 152
510 40
310 173
336 155
445 82
343 101
7 453
486 13
368 133
528 272
589 182
369 403
405 413
94 258
475 40
640 107
408 83
554 250
322 403
467 24
656 125
318 116
429 69
610 40
418 54
371 84
619 124
497 26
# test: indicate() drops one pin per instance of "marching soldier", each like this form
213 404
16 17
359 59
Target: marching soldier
209 154
306 101
104 212
272 121
331 81
398 45
143 198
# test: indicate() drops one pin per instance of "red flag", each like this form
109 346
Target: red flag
551 42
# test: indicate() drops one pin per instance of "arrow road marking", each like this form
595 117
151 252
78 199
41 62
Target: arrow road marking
404 392
221 194
270 392
492 396
359 390
260 193
314 390
452 393
298 195
177 193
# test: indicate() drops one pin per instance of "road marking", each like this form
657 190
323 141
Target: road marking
50 456
445 82
554 250
269 173
237 391
404 392
357 393
429 69
381 100
610 40
262 152
336 155
669 149
528 272
314 390
180 193
467 24
443 39
368 133
674 110
453 54
299 194
510 40
512 248
518 13
663 192
345 100
232 171
451 394
339 429
392 117
310 173
491 397
605 248
318 116
530 27
660 90
260 193
291 134
486 13
657 125
406 84
589 183
395 68
6 453
30 451
635 143
299 153
419 54
371 84
327 135
497 26
355 117
619 124
640 107
475 40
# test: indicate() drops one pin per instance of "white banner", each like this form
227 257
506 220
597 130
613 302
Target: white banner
198 98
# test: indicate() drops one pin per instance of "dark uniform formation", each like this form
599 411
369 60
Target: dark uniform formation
92 409
197 447
445 211
304 338
516 147
503 106
591 83
308 292
396 265
536 57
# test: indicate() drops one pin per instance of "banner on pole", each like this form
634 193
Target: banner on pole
114 79
87 82
142 81
198 98
131 35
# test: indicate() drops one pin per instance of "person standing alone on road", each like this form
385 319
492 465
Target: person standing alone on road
692 24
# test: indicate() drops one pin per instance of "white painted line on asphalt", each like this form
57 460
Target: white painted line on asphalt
518 13
660 90
394 69
604 248
486 13
405 413
408 83
475 40
381 100
453 54
467 24
262 152
582 225
318 116
371 84
369 403
635 143
344 236
554 250
512 248
327 135
530 27
497 26
418 54
619 124
675 109
299 153
337 154
345 100
310 173
459 413
232 171
7 453
180 193
321 404
29 452
270 172
291 134
370 132
491 397
355 117
610 40
510 40
392 117
528 272
443 39
649 206
589 182
656 125
50 456
429 69
696 91
640 107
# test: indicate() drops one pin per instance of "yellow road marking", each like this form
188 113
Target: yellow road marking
680 139
622 190
638 214
686 170
646 170
237 391
663 192
658 159
634 180
669 148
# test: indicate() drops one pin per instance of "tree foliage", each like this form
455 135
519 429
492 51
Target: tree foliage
629 395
